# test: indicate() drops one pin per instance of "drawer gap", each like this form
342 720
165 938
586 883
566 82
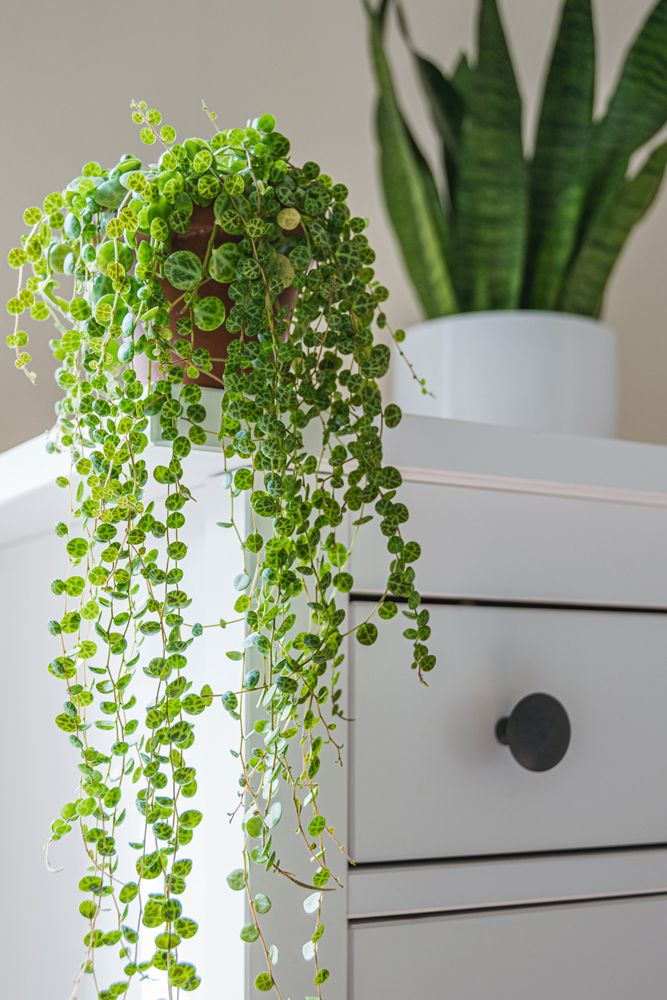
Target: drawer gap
387 918
507 856
490 602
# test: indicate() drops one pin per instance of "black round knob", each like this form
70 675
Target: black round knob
537 732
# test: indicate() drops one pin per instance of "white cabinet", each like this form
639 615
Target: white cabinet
597 951
512 544
40 774
543 563
545 568
431 756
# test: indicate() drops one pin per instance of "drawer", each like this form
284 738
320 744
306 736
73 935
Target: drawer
517 546
428 777
410 889
590 951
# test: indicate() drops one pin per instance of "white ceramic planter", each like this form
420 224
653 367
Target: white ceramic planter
542 370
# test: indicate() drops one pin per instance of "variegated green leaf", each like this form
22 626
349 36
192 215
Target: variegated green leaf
638 108
410 192
445 104
491 207
558 173
462 76
606 237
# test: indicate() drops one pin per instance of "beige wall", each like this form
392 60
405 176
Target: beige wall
69 68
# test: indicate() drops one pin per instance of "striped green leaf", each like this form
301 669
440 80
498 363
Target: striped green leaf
558 173
491 205
410 192
462 76
445 104
461 80
606 237
638 108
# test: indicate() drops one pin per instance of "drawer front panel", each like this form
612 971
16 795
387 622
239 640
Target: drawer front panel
481 543
402 890
428 777
610 950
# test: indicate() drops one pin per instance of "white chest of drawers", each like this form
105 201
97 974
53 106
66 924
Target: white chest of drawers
545 566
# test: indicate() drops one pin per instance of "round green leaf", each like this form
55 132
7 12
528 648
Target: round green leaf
316 826
209 313
367 634
183 270
262 903
274 815
254 827
236 880
223 262
190 819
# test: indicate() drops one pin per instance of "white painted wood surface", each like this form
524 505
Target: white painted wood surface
38 777
504 515
428 761
43 774
521 545
377 891
588 951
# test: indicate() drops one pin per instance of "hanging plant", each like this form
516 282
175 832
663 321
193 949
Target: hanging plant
221 258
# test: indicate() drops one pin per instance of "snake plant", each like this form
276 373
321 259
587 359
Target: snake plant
496 227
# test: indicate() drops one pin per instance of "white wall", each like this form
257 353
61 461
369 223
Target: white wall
69 69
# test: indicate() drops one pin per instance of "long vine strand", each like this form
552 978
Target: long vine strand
286 275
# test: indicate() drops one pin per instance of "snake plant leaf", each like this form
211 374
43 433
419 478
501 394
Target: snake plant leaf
491 206
606 236
558 172
444 101
416 213
638 107
410 192
462 76
461 80
447 111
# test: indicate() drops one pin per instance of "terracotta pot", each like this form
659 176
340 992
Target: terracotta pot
215 341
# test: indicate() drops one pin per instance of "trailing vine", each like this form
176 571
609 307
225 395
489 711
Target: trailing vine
286 280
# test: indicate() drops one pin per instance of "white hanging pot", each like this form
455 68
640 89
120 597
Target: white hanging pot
542 370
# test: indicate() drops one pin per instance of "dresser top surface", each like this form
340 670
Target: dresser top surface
489 451
427 449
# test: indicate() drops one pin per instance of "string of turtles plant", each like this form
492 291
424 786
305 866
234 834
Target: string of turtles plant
94 262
